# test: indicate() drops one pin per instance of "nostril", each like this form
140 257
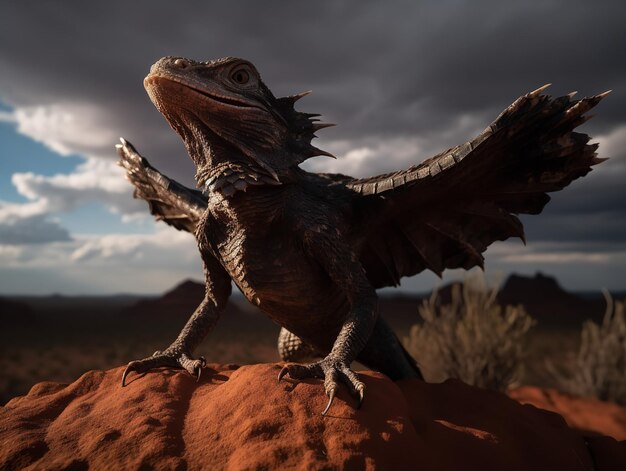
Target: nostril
181 63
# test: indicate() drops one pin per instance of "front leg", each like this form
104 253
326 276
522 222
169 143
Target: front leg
178 354
345 270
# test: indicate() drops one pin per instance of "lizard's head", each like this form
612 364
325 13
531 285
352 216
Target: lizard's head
222 107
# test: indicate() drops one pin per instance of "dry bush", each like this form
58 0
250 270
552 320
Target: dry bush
472 338
600 366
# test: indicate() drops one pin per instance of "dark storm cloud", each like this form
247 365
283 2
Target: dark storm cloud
376 67
381 70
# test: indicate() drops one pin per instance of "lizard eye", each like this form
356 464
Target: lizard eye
240 76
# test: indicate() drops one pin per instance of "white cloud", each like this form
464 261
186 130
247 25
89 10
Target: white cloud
369 158
148 263
614 142
613 146
142 248
11 211
374 155
94 180
163 246
66 128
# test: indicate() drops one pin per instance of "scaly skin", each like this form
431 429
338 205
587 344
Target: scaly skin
309 249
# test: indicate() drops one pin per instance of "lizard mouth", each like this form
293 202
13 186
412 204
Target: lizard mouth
153 79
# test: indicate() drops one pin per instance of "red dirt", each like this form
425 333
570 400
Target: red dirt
590 416
242 419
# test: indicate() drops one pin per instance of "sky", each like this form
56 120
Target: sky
403 80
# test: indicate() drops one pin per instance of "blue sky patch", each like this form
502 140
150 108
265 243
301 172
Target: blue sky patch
19 153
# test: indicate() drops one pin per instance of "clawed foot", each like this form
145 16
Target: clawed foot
169 359
332 371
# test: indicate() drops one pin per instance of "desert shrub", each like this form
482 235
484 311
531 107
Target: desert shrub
600 366
472 339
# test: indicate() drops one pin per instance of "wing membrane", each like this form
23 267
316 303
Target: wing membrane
446 211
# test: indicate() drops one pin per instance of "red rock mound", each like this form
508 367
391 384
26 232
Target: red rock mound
240 418
590 416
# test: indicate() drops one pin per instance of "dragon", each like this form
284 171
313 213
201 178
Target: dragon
311 249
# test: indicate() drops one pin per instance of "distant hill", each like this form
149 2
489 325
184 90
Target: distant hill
180 300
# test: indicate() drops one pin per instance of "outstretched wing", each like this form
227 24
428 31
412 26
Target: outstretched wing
445 212
169 201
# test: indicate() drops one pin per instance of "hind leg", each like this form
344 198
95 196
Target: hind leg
384 352
293 348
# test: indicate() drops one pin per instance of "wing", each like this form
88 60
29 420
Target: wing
169 201
445 212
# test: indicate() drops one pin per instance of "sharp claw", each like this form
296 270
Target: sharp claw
282 373
126 371
331 397
361 391
202 361
534 93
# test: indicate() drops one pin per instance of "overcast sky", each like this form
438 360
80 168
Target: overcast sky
403 80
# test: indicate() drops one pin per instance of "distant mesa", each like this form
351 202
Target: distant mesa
241 418
532 290
545 300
